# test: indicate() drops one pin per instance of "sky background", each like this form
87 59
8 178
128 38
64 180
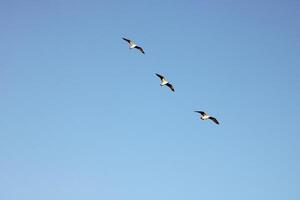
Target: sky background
84 117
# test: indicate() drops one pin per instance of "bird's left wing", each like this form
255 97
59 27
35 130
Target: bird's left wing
201 112
160 76
127 40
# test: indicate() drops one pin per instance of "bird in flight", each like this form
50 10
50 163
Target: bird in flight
132 45
165 82
206 116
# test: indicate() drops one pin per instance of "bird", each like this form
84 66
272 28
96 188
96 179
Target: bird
132 45
206 116
165 82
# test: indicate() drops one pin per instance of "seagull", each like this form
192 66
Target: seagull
165 82
206 116
133 45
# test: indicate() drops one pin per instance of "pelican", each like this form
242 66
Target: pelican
206 116
132 45
165 82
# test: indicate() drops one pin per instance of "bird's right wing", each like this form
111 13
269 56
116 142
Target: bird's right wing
170 86
141 49
214 120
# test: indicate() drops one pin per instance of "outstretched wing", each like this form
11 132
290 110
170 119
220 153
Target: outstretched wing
140 48
214 120
127 40
170 86
201 112
160 76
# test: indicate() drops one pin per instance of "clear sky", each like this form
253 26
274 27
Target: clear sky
84 117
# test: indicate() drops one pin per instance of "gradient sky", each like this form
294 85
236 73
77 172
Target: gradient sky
84 117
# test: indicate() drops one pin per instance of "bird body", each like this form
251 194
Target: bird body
205 116
133 45
165 82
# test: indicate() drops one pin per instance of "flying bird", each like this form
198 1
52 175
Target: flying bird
132 45
206 116
165 82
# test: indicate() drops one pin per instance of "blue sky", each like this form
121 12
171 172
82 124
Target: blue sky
84 117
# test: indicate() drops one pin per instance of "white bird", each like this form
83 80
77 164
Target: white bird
206 116
165 82
132 45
